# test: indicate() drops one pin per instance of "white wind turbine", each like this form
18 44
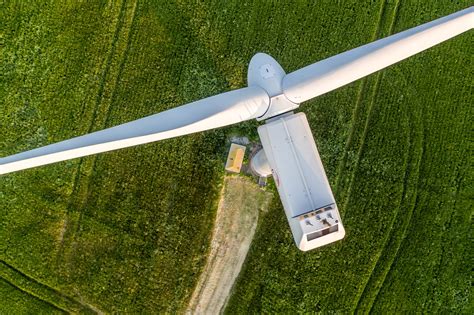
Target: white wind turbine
289 151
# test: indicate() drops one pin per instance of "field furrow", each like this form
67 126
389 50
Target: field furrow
385 28
355 112
106 90
41 291
71 222
404 211
18 301
386 20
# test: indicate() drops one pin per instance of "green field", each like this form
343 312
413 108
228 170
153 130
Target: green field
129 231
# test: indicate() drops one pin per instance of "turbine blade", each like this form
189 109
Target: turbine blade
209 113
331 73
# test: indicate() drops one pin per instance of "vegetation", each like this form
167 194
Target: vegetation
395 146
129 231
125 231
14 301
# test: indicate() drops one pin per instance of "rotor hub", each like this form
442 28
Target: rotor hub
266 73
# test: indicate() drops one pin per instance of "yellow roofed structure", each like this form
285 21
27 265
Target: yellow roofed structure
235 158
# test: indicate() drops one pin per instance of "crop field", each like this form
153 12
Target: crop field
129 231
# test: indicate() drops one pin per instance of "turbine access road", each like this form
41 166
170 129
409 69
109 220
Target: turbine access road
236 221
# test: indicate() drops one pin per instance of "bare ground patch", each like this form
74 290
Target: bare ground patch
236 220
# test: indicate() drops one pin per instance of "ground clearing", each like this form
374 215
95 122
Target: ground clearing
236 221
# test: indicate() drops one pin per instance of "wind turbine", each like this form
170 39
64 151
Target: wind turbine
289 151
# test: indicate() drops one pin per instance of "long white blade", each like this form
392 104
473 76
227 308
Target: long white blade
331 73
212 112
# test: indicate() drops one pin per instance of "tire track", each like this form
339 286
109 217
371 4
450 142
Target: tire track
388 235
375 89
392 238
71 215
376 86
32 296
411 207
102 105
439 263
108 106
356 111
41 291
413 204
355 116
399 241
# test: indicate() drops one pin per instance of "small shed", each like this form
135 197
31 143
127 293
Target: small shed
235 158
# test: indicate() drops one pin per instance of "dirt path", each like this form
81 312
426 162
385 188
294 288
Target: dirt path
236 220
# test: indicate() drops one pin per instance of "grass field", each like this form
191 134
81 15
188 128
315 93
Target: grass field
129 231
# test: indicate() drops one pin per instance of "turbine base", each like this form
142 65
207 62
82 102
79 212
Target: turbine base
259 164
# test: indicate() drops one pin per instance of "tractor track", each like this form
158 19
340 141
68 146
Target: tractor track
104 99
41 291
